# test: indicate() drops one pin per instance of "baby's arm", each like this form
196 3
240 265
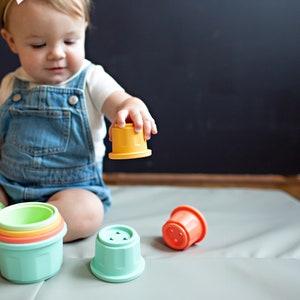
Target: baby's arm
121 107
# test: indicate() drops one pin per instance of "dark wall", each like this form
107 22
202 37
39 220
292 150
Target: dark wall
220 77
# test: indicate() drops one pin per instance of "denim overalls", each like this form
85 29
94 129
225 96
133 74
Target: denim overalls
47 144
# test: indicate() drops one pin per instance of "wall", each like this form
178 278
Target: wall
220 77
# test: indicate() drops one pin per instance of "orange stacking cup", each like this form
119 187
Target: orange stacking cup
185 227
31 233
128 144
36 238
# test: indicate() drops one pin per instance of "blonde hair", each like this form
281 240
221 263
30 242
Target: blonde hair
79 8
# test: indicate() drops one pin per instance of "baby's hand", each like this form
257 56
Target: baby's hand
135 111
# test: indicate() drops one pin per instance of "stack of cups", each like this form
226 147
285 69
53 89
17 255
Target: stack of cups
31 242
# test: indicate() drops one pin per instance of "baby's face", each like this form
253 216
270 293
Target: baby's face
50 44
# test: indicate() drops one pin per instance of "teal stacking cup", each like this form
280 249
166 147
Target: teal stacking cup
31 242
32 262
117 254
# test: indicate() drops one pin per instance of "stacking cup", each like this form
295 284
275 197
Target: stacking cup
24 239
185 227
28 216
32 262
117 254
128 144
31 242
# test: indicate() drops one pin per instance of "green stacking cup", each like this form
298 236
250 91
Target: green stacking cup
117 256
28 216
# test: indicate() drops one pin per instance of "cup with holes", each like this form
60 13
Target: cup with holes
117 254
185 227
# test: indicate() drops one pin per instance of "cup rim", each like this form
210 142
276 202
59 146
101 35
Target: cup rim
31 226
119 278
31 233
35 245
33 239
130 155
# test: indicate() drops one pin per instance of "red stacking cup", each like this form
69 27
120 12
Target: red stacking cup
185 227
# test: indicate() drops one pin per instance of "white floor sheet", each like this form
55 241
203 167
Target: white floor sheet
251 251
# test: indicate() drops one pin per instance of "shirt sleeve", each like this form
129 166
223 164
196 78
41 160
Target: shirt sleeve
100 85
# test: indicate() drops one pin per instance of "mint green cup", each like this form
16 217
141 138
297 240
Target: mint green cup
117 254
32 262
27 216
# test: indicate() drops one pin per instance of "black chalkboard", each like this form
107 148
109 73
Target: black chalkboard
220 77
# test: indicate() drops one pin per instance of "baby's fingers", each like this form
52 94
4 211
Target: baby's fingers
149 128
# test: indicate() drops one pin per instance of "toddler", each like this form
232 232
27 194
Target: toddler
52 112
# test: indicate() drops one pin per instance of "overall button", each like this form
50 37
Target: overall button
73 100
17 97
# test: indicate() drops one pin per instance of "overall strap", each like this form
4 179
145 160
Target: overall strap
79 80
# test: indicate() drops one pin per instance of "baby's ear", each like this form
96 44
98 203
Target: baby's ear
9 40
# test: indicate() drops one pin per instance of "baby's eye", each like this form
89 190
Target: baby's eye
37 46
70 42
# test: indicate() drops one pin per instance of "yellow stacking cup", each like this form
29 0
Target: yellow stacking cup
32 233
128 144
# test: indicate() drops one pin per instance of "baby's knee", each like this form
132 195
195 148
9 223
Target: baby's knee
94 213
82 211
89 218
